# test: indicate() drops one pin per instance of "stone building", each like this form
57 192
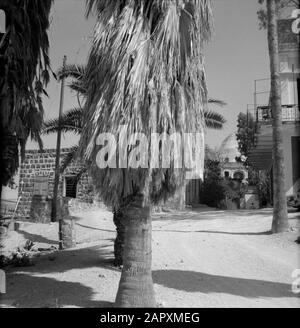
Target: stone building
36 181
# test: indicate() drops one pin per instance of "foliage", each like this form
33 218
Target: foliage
245 133
262 180
233 189
72 120
77 73
212 189
281 5
264 188
213 120
24 72
152 76
245 137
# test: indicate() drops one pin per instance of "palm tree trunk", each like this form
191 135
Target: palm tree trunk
0 197
120 237
182 197
136 285
280 218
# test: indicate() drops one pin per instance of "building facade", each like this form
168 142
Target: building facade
261 154
36 180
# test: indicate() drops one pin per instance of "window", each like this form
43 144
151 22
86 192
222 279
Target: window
226 174
71 186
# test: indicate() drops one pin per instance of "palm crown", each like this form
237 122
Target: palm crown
72 120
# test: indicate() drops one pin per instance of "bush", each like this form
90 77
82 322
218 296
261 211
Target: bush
212 191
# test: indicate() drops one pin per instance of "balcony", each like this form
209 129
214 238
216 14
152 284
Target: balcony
290 113
260 155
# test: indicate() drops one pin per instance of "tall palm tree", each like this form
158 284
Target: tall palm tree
145 72
280 217
24 72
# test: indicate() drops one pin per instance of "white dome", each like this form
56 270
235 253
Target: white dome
229 148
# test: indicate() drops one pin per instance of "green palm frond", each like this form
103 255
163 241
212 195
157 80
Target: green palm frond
216 102
77 74
71 121
145 70
68 158
78 87
72 71
214 120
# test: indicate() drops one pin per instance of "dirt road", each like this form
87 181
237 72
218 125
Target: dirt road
201 258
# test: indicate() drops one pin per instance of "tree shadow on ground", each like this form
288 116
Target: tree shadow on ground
297 217
37 238
93 228
211 214
192 281
261 233
27 291
99 256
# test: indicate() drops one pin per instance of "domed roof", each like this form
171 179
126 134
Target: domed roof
229 148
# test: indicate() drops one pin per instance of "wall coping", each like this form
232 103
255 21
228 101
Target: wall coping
47 150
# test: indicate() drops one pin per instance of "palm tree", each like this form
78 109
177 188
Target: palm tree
280 217
72 121
24 72
145 72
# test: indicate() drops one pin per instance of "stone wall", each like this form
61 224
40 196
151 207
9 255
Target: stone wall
37 164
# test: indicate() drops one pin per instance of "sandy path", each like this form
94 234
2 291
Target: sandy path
237 263
201 258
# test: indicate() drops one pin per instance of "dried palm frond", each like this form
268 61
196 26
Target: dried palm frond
145 71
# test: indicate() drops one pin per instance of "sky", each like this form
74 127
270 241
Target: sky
235 57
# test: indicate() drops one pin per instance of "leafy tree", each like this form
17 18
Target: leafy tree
24 72
245 133
212 189
246 138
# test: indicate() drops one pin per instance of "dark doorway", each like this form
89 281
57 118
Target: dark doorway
71 186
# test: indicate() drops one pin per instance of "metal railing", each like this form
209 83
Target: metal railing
290 113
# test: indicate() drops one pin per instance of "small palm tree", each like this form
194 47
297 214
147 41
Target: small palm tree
72 120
